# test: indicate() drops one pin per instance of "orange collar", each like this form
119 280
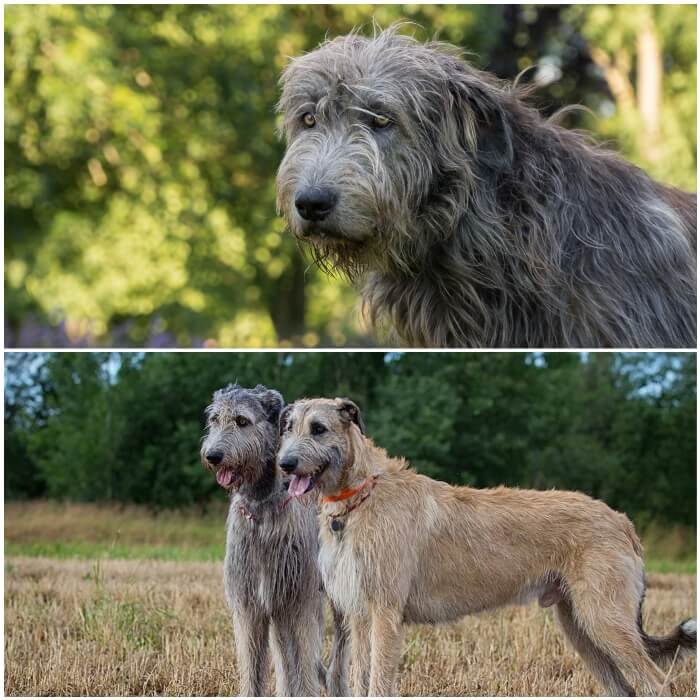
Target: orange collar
350 492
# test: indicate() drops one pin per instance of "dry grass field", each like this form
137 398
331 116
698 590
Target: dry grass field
134 627
87 622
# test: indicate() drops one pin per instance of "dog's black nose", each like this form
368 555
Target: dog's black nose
214 457
315 203
289 464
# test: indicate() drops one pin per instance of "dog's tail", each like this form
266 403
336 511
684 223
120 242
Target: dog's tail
683 640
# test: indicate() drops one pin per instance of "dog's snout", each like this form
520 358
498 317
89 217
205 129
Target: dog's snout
289 464
315 203
214 457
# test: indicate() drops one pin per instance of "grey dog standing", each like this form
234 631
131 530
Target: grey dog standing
470 218
271 575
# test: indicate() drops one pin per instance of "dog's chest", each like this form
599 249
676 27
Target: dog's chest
342 571
267 567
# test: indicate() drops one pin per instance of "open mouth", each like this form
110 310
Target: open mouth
299 485
227 478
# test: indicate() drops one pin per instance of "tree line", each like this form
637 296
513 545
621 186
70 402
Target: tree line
126 427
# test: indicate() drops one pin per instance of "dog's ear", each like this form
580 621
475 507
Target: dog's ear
284 417
349 411
271 401
480 109
494 136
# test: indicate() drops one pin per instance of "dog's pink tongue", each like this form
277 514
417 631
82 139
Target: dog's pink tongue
298 485
224 477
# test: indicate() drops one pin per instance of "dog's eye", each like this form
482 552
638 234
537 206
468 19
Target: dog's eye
379 121
242 421
317 429
214 418
309 120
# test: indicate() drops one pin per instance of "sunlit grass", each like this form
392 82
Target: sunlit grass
76 627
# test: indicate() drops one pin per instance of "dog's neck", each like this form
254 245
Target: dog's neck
267 489
365 460
420 306
444 291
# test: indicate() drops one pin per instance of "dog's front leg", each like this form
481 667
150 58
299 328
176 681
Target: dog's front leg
336 684
296 649
385 637
360 653
251 631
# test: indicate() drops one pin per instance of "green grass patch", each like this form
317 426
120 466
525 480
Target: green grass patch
670 566
95 550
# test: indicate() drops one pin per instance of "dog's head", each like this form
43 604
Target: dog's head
385 138
317 442
241 434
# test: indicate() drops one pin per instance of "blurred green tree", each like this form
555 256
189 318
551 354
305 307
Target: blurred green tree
74 449
647 55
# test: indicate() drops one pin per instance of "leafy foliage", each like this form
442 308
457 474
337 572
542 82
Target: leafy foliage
140 155
126 427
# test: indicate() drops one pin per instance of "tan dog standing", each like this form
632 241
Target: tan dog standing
398 547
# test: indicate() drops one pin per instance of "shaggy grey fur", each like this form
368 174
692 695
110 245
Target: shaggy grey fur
271 575
471 219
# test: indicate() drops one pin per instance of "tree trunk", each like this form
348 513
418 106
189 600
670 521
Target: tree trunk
287 303
649 76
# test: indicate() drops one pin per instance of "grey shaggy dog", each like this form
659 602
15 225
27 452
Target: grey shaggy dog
271 576
471 220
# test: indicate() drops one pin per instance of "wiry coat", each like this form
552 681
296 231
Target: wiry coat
470 220
272 582
271 578
407 548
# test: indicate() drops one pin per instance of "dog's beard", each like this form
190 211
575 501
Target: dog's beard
232 474
346 258
340 258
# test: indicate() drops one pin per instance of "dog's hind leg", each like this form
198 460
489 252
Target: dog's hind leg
626 650
280 659
600 664
608 618
308 629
